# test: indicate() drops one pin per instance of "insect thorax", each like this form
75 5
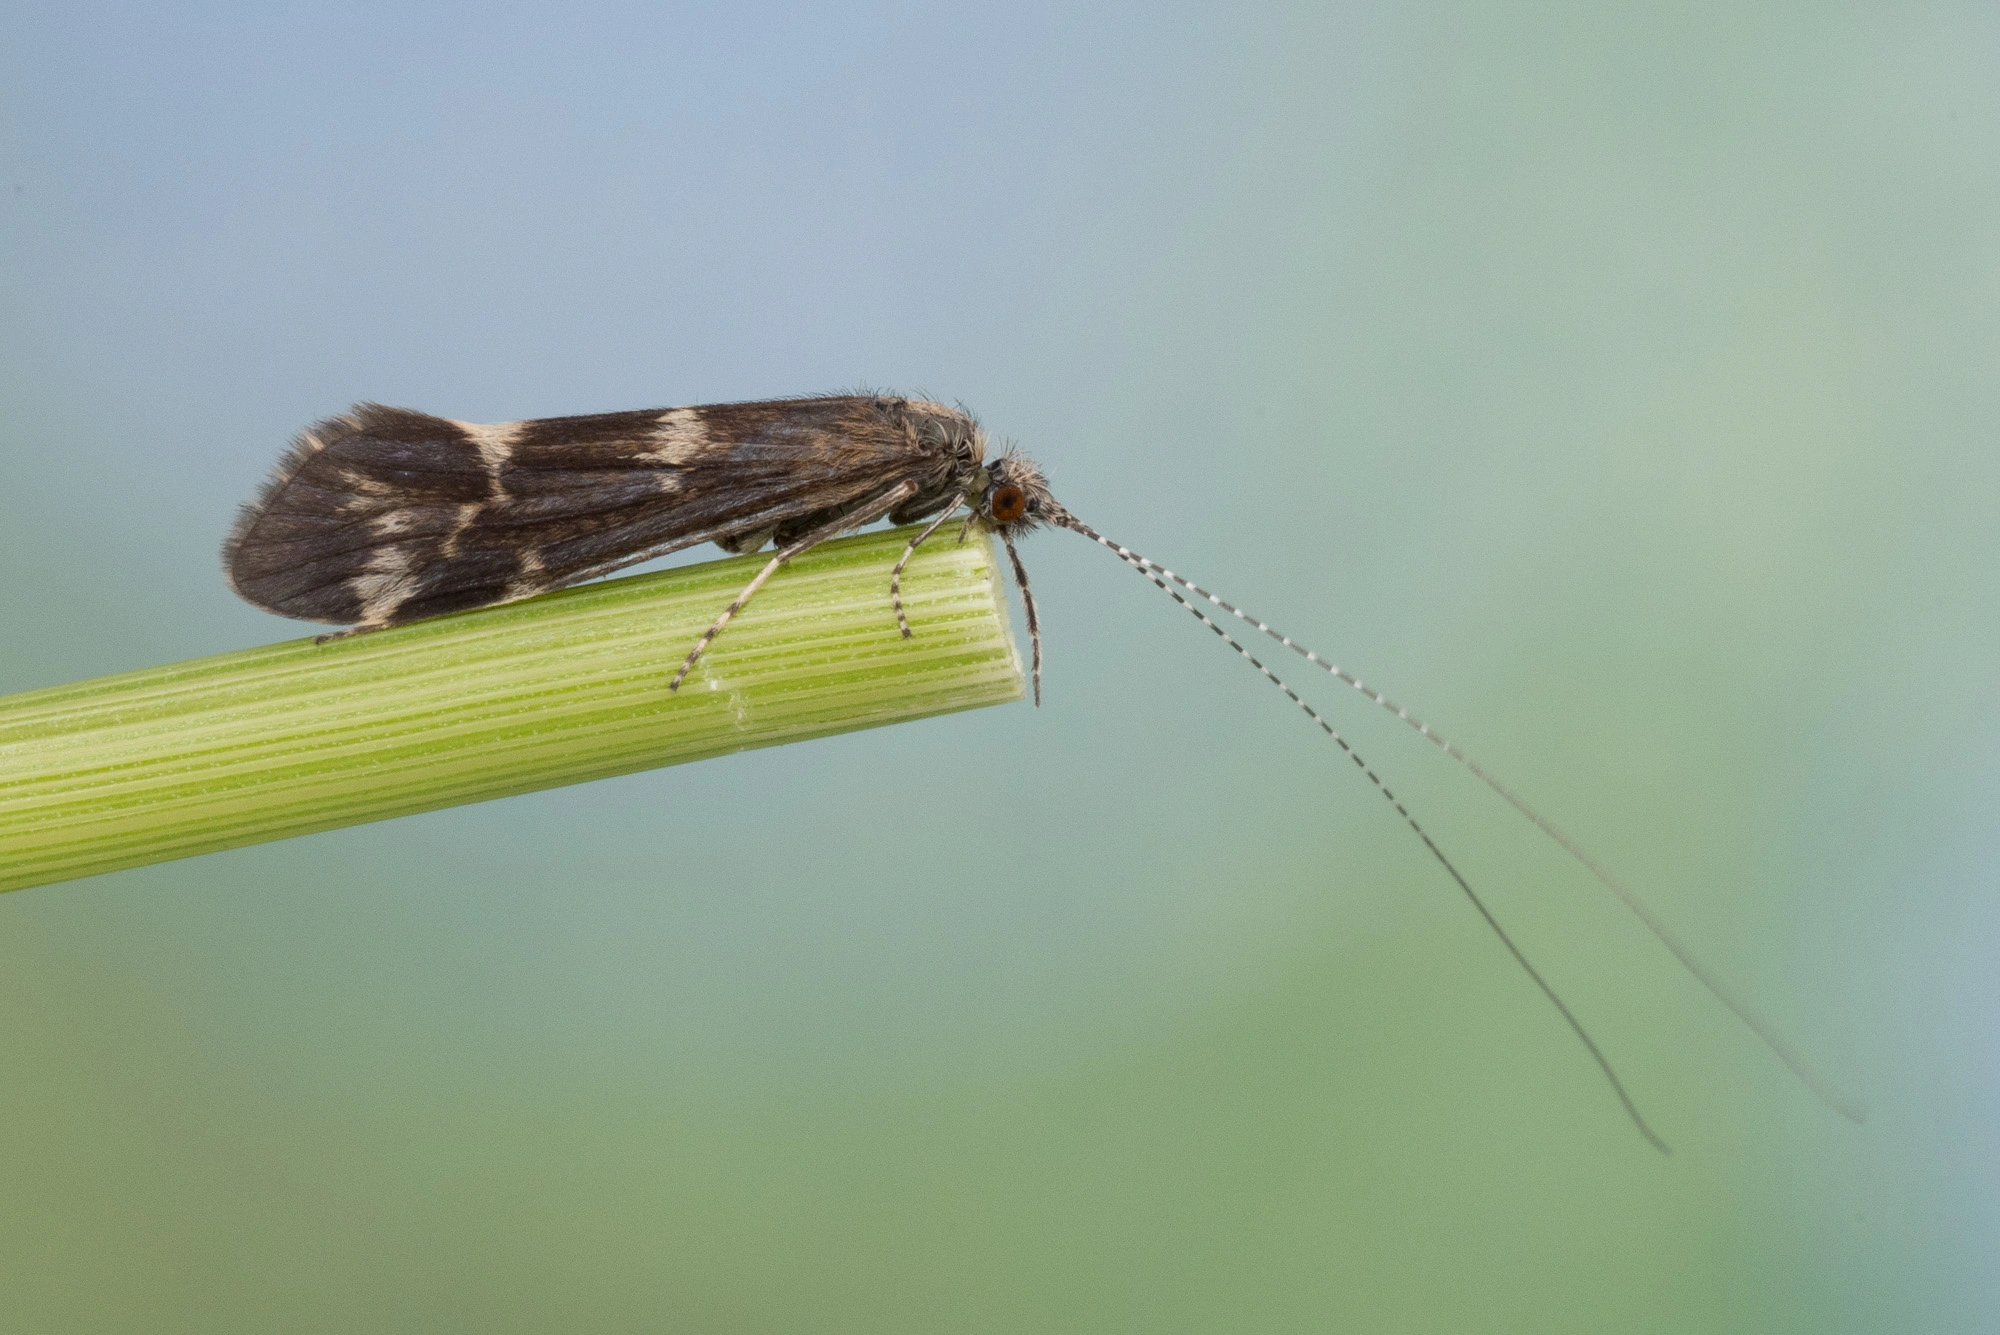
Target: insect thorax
953 446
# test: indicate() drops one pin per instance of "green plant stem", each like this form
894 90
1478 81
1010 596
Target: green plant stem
267 743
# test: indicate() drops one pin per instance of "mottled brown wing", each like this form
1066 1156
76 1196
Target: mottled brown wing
385 515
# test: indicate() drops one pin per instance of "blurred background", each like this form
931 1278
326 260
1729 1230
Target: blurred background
1615 386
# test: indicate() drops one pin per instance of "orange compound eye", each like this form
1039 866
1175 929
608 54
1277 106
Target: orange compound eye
1008 503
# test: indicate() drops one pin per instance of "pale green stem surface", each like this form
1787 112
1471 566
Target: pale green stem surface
266 743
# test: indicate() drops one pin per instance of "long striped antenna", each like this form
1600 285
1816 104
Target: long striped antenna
1562 1007
1821 1088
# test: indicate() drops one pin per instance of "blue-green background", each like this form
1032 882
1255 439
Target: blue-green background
1619 386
